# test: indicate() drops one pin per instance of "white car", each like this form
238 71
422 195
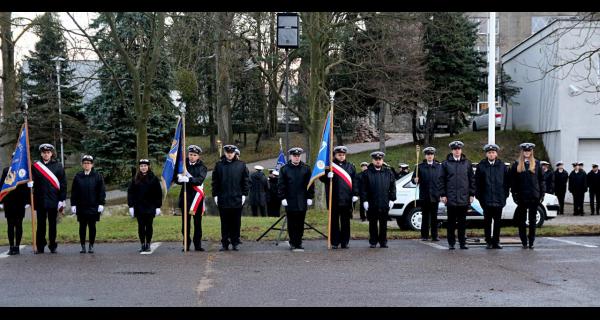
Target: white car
480 121
407 211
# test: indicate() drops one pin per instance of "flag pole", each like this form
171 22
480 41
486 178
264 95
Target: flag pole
33 234
185 208
418 149
331 99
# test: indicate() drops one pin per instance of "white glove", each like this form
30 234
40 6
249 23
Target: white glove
391 204
157 212
30 184
100 208
182 178
243 199
309 202
131 212
366 205
284 202
61 204
330 174
216 201
27 206
1 206
74 209
354 198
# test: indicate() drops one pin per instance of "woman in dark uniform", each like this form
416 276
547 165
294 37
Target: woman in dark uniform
88 194
144 198
14 204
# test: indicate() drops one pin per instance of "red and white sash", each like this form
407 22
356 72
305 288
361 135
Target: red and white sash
342 174
197 198
41 167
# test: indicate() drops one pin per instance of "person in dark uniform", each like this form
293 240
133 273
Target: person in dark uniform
492 182
144 198
50 193
457 192
548 177
404 170
294 178
88 195
528 188
259 188
273 201
363 166
428 180
377 194
593 182
344 195
561 177
14 204
230 189
194 181
578 187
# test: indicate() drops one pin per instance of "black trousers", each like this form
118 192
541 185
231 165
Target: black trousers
378 233
145 227
561 202
231 223
429 220
363 213
295 221
595 195
273 208
197 228
40 233
15 229
84 224
255 208
492 214
340 224
524 211
578 203
457 219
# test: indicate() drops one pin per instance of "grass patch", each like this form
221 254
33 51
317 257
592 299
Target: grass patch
119 228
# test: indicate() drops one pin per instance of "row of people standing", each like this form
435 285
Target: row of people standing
578 184
263 193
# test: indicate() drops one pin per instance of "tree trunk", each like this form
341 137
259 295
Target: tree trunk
381 126
223 67
8 130
413 118
429 129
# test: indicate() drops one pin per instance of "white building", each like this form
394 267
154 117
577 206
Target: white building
564 105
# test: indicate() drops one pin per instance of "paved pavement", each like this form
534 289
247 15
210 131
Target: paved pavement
558 272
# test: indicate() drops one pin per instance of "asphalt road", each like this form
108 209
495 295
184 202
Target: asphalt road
558 272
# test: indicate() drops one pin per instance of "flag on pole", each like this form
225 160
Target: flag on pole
174 162
322 161
281 158
18 173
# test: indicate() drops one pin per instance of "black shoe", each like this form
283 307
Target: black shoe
464 247
298 249
184 250
39 251
198 249
424 239
82 249
373 246
524 246
435 239
489 246
91 249
383 245
235 247
147 247
334 247
224 248
11 251
451 247
496 246
53 250
17 250
345 246
530 246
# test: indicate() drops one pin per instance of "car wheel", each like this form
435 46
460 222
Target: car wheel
414 219
539 218
474 126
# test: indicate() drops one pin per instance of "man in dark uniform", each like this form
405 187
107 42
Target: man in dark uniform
377 194
593 182
194 180
492 181
457 192
403 170
14 204
363 166
294 177
578 187
561 177
344 194
50 193
230 189
273 201
548 177
428 179
259 187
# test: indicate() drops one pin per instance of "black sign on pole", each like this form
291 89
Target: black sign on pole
287 30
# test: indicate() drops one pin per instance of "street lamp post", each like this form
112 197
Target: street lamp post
58 60
287 37
492 78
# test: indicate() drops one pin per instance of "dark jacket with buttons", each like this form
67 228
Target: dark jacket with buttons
492 183
429 181
259 188
560 181
549 181
527 187
457 181
593 181
45 195
342 193
145 195
88 192
15 200
578 182
230 183
293 180
378 187
198 173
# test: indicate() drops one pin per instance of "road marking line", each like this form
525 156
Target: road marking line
431 244
573 242
5 254
153 247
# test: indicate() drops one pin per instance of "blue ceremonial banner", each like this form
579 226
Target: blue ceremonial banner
280 160
322 161
174 162
18 173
